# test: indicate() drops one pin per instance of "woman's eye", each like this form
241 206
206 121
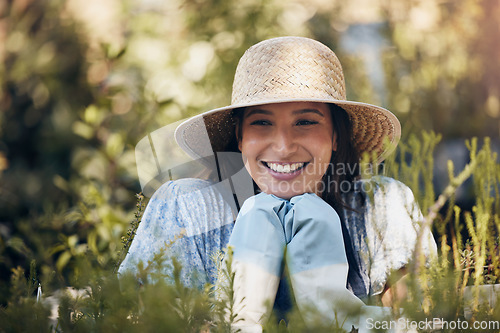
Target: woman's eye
306 122
260 122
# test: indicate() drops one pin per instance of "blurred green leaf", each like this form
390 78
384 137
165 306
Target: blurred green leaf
63 260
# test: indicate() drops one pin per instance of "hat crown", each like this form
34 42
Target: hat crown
288 68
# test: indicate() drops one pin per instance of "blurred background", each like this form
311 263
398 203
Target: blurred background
83 81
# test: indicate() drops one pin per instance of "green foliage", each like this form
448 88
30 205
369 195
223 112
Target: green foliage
441 64
467 257
414 165
23 313
79 90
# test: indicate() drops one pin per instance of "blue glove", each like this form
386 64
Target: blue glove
310 231
318 263
258 244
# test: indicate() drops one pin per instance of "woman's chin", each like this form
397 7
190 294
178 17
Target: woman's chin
285 190
286 195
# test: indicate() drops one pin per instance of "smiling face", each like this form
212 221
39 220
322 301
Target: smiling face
287 147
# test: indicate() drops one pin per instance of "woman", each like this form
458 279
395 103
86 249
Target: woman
300 141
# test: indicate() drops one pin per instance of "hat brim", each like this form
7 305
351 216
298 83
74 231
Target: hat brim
375 130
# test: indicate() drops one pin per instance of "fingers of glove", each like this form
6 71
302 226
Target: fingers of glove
258 235
316 239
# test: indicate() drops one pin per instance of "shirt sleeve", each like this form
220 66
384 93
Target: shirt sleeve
188 219
393 219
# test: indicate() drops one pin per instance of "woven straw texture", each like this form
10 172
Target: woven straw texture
288 69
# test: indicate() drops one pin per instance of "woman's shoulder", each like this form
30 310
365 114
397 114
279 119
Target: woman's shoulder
185 189
382 182
181 186
384 186
389 200
194 193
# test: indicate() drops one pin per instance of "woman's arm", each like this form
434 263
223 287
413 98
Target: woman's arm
187 219
396 291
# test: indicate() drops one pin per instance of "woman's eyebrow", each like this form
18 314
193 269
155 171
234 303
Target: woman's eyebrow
258 111
302 111
296 112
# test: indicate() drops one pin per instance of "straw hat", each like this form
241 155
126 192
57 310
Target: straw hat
287 69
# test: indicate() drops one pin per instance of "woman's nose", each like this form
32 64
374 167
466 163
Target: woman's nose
284 142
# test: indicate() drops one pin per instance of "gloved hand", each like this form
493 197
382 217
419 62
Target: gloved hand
258 242
318 264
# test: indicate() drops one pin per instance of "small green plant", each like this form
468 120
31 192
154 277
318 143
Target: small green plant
23 312
127 240
468 245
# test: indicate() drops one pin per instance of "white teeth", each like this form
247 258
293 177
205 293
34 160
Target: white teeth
285 168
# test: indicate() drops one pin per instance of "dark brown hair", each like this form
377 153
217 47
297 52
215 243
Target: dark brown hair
344 163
